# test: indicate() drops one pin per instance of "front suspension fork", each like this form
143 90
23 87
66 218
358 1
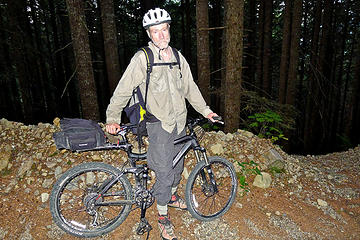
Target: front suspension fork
211 181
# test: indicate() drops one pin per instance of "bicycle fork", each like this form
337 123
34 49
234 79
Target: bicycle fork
210 185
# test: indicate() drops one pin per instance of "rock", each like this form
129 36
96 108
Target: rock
229 137
322 203
186 173
52 150
26 235
262 181
25 167
246 133
272 156
2 233
96 157
217 149
50 164
44 197
5 123
47 183
238 205
58 171
56 122
11 185
277 166
5 157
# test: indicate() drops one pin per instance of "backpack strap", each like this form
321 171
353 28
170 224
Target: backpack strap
176 54
149 65
170 64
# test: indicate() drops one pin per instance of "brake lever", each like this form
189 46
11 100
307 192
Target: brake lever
218 119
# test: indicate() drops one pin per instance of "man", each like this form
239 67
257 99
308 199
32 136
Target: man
168 88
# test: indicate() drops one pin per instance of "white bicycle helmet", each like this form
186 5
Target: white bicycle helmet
156 16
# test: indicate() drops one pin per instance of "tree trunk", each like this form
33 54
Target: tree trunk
344 115
59 72
203 55
84 70
336 100
260 49
216 36
312 103
250 59
16 18
352 126
8 90
267 81
234 41
294 53
110 43
43 102
285 52
325 63
187 50
183 39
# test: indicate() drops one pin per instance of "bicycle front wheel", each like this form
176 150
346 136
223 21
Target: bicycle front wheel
77 207
211 190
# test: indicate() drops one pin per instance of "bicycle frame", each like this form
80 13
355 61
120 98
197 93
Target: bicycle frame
190 142
137 194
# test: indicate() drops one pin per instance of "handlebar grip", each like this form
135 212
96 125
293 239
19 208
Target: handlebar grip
217 118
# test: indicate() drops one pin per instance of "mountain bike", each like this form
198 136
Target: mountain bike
92 199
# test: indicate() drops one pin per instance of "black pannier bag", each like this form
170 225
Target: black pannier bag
79 134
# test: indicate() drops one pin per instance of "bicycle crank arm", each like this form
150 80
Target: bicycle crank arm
117 203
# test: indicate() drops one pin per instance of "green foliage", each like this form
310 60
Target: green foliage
265 125
343 142
247 169
276 170
210 127
252 104
5 172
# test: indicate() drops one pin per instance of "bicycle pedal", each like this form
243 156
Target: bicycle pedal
144 226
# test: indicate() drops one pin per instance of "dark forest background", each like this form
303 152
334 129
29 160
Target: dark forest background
287 70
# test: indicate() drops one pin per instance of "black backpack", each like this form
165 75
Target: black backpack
136 108
79 135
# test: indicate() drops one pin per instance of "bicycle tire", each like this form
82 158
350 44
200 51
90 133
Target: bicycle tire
73 190
199 195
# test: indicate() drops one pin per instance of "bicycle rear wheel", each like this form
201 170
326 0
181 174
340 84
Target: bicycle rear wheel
76 206
211 190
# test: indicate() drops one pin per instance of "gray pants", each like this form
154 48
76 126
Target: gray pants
161 153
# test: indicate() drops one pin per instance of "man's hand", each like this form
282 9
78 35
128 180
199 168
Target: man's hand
211 115
112 128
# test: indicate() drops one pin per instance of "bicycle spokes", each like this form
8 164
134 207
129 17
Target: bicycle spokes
212 189
82 207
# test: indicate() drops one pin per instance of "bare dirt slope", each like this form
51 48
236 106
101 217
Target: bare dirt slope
316 198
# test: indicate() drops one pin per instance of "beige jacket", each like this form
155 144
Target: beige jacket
166 93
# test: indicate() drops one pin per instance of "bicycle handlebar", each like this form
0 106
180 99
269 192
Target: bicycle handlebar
190 124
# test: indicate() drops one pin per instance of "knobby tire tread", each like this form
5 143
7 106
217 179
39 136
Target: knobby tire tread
75 171
192 178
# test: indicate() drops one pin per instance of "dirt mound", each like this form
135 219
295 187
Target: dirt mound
310 197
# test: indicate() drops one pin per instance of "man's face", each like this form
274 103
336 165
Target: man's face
160 35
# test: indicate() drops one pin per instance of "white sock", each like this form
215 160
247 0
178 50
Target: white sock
173 190
162 209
